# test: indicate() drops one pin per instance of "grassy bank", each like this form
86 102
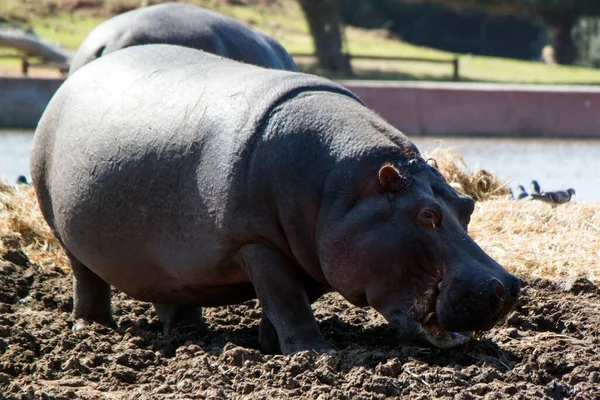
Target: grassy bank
529 238
68 22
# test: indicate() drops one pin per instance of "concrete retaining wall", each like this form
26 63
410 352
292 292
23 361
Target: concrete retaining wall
471 109
23 100
416 108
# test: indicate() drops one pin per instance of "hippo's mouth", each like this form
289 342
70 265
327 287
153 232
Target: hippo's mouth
426 316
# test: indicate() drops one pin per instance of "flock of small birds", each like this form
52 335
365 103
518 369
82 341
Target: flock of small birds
553 198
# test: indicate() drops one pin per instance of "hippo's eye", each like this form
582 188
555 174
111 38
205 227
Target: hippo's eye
429 218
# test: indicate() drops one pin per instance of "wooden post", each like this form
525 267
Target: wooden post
348 61
456 72
24 66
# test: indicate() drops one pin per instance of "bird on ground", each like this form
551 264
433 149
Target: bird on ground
535 187
521 193
510 195
22 180
555 198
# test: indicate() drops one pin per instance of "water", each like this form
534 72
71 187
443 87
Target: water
15 147
556 164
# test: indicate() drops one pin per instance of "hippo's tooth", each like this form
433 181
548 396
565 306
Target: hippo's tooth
428 317
439 286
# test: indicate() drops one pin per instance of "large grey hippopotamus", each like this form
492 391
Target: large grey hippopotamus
185 25
189 180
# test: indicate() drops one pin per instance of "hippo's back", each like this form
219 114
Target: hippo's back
140 148
184 25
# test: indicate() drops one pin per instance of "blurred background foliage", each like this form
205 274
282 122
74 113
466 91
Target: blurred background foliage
513 29
467 30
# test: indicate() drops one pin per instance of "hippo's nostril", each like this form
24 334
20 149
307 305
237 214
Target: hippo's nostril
515 287
498 289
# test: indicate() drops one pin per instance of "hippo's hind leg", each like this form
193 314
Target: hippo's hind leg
171 316
91 296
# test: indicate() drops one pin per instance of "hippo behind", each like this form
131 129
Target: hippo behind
184 25
247 183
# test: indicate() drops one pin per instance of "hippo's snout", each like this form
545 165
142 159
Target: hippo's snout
476 305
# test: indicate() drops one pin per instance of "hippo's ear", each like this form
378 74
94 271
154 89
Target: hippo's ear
390 179
433 163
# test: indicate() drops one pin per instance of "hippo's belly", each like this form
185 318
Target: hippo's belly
148 226
174 262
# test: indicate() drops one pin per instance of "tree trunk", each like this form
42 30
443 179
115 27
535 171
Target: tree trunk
561 27
324 21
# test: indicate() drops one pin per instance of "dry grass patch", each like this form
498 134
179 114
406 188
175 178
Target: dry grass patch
532 239
529 238
22 227
480 184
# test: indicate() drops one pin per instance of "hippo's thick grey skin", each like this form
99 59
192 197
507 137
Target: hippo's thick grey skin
184 25
189 180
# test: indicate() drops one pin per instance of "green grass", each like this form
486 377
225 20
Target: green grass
64 29
284 21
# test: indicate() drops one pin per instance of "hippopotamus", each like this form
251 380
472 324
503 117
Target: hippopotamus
189 180
185 25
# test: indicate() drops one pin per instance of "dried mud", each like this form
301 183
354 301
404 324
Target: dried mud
549 347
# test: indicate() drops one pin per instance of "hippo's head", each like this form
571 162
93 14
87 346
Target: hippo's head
401 246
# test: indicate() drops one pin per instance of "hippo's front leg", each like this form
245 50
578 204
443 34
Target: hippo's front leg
280 289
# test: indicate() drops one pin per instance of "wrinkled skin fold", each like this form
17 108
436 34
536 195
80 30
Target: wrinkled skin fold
191 181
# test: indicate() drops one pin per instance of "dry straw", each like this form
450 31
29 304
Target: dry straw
480 184
532 239
23 228
529 238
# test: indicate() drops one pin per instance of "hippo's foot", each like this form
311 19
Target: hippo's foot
269 342
82 324
318 346
173 316
267 337
91 297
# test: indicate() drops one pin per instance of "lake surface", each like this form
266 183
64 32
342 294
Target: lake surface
556 164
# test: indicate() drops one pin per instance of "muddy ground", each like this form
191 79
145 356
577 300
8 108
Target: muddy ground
549 347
